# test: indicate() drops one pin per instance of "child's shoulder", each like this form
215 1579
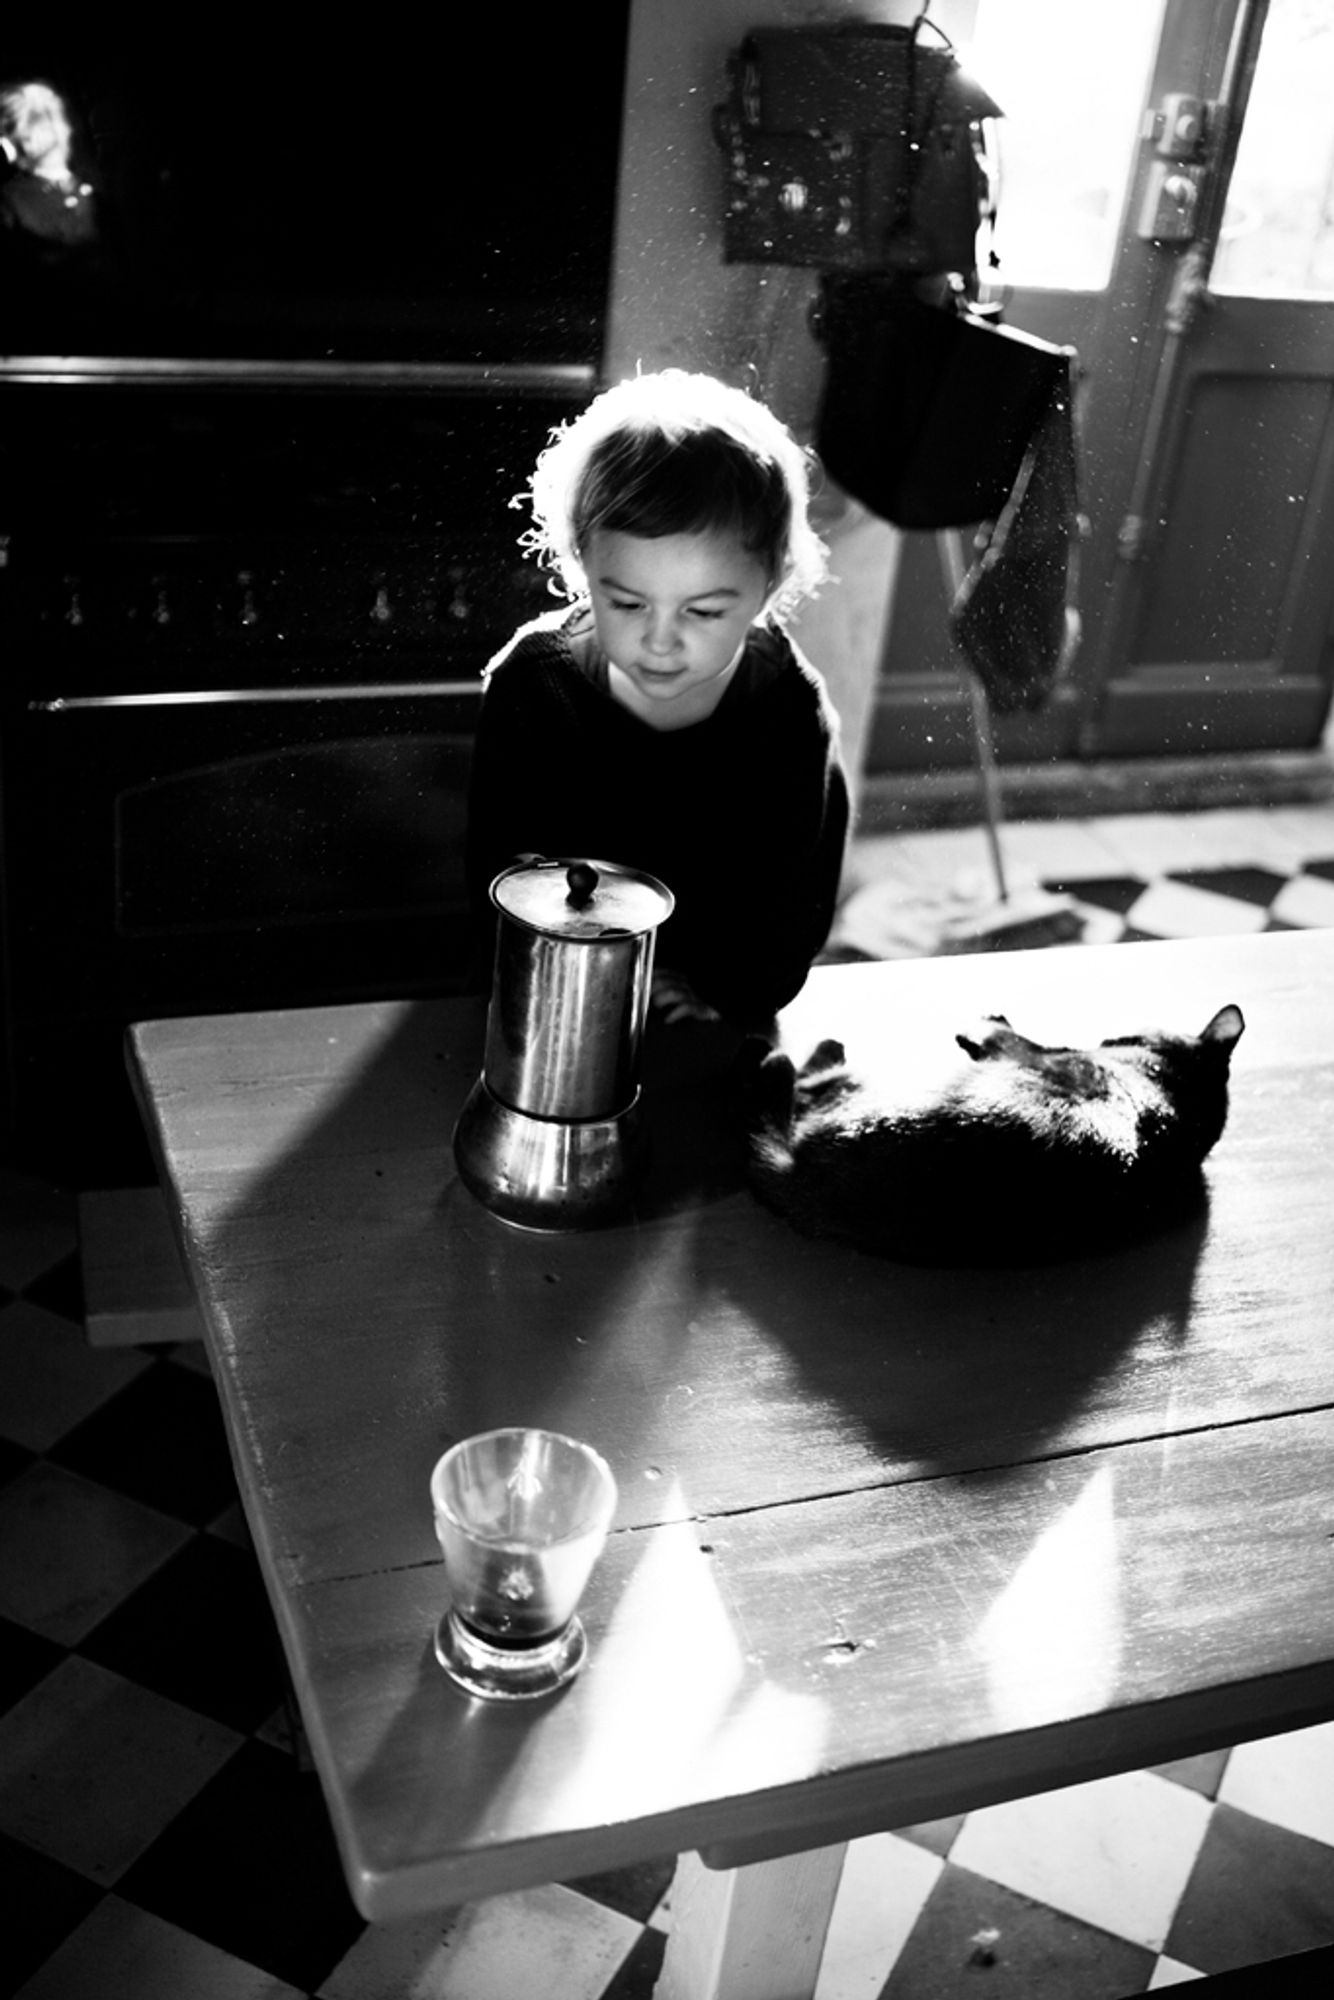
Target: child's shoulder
543 646
778 669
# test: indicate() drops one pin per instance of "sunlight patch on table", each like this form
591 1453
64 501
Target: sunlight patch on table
679 1706
1051 1642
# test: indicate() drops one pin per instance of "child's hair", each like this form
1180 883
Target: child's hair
676 454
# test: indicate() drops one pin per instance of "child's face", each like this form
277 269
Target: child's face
43 133
672 614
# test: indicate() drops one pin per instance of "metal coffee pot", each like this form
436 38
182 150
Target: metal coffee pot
549 1137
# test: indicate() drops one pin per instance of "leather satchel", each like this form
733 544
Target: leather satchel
851 147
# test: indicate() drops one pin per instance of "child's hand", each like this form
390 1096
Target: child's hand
674 1000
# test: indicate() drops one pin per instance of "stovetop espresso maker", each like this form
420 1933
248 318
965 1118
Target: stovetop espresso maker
550 1135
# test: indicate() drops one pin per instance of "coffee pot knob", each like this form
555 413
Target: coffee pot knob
582 880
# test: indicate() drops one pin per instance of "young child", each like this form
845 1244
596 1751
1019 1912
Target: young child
664 720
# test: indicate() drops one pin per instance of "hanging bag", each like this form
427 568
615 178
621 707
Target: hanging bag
926 411
850 146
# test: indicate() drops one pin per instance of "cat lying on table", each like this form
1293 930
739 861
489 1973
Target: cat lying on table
1032 1154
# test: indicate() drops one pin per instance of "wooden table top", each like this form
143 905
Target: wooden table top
891 1542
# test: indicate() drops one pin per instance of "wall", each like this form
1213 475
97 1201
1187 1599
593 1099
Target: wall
674 303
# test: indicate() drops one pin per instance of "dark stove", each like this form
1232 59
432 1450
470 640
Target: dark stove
257 451
243 649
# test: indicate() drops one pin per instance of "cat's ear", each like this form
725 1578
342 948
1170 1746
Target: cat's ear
992 1035
1225 1028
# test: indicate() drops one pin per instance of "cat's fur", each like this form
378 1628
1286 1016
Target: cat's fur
1033 1153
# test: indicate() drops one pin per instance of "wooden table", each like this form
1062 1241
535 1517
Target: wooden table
892 1543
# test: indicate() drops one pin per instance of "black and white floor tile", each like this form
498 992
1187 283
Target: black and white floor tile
160 1836
1104 881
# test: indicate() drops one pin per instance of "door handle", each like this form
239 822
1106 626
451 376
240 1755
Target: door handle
1169 212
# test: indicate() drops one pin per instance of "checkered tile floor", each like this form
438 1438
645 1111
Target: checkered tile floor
159 1836
1118 880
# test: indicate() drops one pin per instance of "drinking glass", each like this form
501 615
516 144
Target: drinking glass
521 1517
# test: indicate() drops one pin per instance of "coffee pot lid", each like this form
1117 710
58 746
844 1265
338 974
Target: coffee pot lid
582 899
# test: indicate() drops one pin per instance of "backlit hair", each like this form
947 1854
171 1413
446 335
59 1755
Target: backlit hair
676 454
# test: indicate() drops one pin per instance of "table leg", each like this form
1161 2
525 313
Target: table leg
754 1933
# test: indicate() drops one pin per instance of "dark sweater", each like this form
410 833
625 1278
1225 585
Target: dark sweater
743 815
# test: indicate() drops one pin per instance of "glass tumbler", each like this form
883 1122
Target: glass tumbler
521 1517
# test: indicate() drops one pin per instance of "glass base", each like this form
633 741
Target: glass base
508 1673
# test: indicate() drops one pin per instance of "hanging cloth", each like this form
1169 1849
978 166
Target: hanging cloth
1015 617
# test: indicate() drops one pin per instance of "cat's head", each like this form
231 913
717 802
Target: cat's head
1216 1039
1189 1076
995 1039
1180 1082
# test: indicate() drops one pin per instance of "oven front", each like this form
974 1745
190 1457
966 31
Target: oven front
240 683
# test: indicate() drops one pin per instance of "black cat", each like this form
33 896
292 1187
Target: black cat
1031 1155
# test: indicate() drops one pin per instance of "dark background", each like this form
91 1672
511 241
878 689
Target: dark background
366 191
244 610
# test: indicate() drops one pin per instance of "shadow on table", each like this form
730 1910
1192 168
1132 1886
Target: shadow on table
940 1368
952 1370
703 1345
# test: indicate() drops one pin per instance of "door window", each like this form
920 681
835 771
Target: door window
1277 239
1070 77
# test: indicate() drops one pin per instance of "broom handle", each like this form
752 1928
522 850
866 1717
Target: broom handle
949 542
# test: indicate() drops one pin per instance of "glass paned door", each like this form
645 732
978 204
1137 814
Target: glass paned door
1216 594
1206 404
1278 227
1070 77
